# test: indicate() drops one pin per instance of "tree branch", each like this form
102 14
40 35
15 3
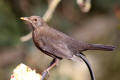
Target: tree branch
85 5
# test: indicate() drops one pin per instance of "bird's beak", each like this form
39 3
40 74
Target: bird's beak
24 18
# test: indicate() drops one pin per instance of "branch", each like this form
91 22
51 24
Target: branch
51 8
47 16
26 37
85 5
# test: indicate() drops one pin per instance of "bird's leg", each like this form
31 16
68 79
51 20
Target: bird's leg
52 64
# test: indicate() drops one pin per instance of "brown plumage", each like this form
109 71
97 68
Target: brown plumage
57 44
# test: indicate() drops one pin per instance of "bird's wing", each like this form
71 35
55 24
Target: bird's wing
58 43
54 42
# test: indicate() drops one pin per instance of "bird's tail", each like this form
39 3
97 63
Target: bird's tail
100 47
79 58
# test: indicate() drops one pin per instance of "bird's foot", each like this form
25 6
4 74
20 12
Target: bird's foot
44 74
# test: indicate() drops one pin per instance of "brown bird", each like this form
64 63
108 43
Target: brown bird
59 45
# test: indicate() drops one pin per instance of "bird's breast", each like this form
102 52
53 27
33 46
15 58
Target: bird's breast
36 37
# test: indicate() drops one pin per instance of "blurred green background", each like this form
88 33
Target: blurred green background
100 25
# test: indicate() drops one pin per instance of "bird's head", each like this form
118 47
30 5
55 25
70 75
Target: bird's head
36 21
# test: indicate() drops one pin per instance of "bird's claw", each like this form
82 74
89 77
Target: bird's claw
44 74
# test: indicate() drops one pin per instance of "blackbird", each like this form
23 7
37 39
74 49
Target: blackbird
59 45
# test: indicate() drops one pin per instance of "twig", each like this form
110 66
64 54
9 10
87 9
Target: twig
47 16
51 8
85 5
26 37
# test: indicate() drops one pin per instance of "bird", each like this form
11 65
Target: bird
58 45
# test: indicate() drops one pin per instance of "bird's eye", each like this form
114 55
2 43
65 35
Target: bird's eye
35 19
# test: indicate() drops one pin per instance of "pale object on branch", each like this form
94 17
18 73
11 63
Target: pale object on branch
47 16
85 5
23 72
